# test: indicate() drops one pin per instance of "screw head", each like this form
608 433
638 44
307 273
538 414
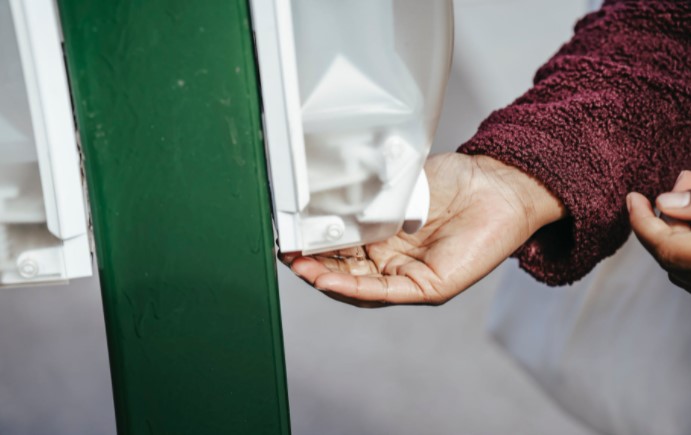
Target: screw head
334 232
28 268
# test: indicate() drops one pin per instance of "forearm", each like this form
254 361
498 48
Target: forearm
608 114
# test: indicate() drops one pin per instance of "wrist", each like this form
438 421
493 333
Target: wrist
548 208
539 205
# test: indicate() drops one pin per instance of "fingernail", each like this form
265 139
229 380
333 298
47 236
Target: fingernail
628 202
674 200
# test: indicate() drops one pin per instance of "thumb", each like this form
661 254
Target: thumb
650 229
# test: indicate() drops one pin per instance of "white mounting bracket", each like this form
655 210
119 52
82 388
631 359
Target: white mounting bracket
44 235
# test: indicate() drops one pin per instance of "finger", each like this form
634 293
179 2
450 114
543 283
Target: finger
381 289
357 252
683 182
675 204
649 229
309 269
670 246
352 265
287 258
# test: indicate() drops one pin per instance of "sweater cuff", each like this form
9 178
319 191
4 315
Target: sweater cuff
597 224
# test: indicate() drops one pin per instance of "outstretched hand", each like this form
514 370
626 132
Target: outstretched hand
481 212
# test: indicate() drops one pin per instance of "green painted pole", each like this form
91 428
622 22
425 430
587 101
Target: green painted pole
168 110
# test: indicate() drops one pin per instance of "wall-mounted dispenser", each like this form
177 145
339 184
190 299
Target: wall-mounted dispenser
352 93
43 226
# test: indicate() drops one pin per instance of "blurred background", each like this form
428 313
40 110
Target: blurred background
404 370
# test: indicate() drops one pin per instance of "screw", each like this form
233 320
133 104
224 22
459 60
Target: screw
334 232
28 268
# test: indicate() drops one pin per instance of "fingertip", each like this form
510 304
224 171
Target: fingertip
683 182
640 214
305 267
629 201
636 196
301 262
638 205
287 258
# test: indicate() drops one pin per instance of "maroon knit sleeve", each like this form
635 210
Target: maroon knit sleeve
610 113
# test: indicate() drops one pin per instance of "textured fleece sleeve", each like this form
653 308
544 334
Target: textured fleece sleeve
610 113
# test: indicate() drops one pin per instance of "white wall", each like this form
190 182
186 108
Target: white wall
54 374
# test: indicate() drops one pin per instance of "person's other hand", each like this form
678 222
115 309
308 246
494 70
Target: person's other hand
668 237
481 212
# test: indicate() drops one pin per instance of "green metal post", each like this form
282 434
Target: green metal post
168 110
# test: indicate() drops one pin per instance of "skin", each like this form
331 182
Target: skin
668 237
481 212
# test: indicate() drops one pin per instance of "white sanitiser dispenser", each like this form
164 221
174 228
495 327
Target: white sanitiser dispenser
43 226
352 93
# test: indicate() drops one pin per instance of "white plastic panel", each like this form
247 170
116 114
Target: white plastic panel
352 94
43 227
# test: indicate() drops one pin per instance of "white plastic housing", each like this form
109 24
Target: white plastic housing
352 93
43 226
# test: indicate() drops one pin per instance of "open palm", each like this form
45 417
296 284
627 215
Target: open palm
481 212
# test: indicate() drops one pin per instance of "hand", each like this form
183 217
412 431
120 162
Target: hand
481 212
667 238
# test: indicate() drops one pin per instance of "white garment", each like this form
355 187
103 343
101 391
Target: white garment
613 350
